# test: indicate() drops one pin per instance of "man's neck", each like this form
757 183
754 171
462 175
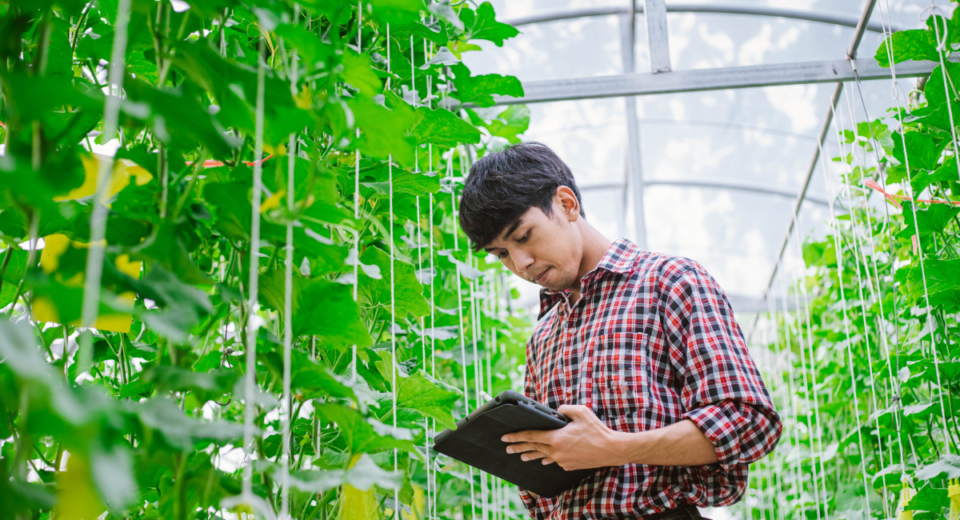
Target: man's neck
595 246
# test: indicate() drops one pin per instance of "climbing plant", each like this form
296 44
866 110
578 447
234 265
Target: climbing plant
867 340
231 277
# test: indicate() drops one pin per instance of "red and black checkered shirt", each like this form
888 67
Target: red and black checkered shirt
652 341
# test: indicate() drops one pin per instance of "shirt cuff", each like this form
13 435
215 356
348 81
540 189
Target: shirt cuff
529 502
716 424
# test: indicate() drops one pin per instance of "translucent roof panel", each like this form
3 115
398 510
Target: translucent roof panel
758 142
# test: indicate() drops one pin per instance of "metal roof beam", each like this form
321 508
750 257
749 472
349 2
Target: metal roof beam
710 79
776 12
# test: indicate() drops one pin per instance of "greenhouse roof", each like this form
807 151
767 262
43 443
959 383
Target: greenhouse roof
727 128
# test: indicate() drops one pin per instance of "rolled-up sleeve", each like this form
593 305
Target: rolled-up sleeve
723 393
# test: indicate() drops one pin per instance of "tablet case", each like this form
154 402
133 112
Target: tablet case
476 442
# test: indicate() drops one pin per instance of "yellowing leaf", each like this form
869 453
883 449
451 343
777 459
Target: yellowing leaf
277 151
77 497
123 170
273 201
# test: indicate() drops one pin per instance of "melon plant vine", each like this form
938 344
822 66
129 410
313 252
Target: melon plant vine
868 340
272 200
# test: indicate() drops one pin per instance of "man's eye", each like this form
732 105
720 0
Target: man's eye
502 255
524 237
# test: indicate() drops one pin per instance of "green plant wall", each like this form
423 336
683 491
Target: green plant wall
867 341
259 305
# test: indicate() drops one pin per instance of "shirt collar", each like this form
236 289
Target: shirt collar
620 258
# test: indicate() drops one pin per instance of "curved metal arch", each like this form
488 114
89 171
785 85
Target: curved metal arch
762 190
774 12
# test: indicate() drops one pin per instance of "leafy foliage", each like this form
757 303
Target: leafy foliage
140 412
869 370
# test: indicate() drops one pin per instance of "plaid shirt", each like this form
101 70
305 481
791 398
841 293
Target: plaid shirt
652 341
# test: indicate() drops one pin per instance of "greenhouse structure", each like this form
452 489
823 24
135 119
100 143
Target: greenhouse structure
281 308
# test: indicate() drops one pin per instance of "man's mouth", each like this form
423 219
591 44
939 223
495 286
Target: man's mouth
544 273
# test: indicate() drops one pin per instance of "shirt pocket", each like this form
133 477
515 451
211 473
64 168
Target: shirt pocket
622 382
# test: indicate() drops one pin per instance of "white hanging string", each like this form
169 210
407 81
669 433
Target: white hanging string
813 373
810 422
859 253
791 393
287 407
463 345
98 219
247 496
941 49
356 199
873 283
393 303
838 247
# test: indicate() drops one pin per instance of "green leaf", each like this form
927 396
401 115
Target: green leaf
442 128
16 268
364 435
320 308
208 385
948 466
916 44
385 132
363 475
309 377
112 470
416 184
931 220
947 172
482 25
922 151
358 73
479 90
930 499
396 11
179 431
408 291
423 394
510 123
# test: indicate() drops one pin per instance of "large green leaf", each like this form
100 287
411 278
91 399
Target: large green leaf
479 90
931 220
482 25
408 292
364 474
385 131
320 308
364 435
442 128
421 393
179 431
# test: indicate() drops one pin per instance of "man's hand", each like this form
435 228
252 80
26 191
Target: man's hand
584 443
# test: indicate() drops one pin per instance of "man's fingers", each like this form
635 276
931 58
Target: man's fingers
527 436
533 455
523 447
548 461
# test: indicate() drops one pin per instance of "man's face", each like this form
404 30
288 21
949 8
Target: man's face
545 250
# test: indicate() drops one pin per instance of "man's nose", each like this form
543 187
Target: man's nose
522 260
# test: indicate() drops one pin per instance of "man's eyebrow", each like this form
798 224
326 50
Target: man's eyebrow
512 227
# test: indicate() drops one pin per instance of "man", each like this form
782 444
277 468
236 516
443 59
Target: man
640 350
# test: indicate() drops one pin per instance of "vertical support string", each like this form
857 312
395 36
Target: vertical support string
356 199
98 219
287 406
838 246
250 379
393 302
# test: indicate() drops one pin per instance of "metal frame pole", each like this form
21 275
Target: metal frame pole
634 163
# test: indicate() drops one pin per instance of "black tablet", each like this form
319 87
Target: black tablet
476 442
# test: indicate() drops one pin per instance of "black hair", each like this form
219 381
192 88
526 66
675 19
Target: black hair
503 185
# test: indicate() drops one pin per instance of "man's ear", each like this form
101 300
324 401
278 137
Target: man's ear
568 203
